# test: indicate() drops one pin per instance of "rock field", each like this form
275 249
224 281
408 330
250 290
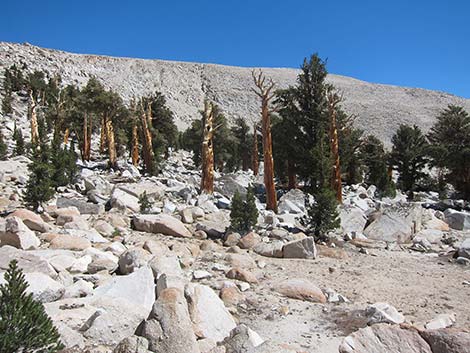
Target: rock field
394 278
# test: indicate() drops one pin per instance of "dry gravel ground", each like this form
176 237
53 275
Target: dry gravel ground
421 286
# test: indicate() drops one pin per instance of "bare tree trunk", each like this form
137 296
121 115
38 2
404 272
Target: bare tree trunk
111 143
86 139
333 99
264 92
291 174
135 145
271 197
66 136
34 119
103 135
207 180
147 148
90 132
254 152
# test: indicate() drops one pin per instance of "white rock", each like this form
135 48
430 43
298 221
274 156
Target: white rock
210 317
17 234
383 312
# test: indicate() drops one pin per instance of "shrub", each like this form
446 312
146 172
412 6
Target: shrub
144 203
243 214
322 215
24 324
40 186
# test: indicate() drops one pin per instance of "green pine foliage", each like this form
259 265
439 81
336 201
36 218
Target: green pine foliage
19 142
24 324
40 186
7 102
224 142
3 148
375 160
450 150
322 215
243 214
408 156
144 203
64 164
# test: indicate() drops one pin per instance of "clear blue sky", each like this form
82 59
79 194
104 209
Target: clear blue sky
412 43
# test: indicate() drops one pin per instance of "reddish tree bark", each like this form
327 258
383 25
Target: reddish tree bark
34 118
147 147
291 175
333 99
254 152
207 179
265 92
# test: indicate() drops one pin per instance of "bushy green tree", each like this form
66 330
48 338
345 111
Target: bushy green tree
40 186
3 148
6 103
375 160
223 140
408 156
243 214
322 215
450 139
24 324
241 151
14 80
144 203
19 142
64 164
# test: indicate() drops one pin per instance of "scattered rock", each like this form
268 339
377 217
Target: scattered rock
301 289
300 249
383 313
169 328
209 316
164 224
17 234
384 338
242 275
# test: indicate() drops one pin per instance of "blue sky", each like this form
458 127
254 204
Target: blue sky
409 43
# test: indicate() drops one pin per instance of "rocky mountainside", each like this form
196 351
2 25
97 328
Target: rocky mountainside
380 108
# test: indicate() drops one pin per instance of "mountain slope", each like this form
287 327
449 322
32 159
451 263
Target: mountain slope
380 108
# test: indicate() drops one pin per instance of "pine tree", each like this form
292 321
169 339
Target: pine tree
251 211
237 214
243 214
375 160
144 203
40 186
322 215
3 148
19 142
64 164
24 324
6 102
408 156
450 135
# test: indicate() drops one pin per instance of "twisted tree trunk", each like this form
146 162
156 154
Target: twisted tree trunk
66 136
291 174
34 119
265 93
135 145
85 138
147 148
207 180
111 143
103 135
333 99
254 152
